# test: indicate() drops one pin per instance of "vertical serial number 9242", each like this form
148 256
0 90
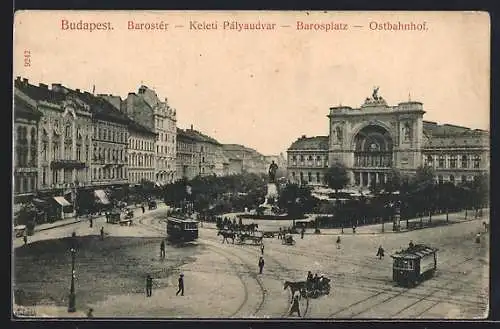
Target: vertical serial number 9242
27 58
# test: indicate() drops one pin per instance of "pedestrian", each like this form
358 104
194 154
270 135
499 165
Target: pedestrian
338 242
149 286
90 313
262 248
102 232
478 238
162 249
302 232
91 222
354 229
261 264
181 285
380 252
295 306
143 209
411 244
25 237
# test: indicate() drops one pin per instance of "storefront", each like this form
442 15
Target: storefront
64 209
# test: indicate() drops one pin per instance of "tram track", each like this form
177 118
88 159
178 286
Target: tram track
220 251
388 299
281 269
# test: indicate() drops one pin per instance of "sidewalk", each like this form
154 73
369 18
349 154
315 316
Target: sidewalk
370 229
70 221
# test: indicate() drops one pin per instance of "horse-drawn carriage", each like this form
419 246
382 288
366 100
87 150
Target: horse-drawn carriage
255 237
311 288
288 240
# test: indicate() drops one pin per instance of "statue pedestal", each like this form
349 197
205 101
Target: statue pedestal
272 191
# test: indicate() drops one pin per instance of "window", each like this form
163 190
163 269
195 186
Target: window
453 161
301 177
477 161
440 179
293 174
452 179
309 177
429 161
464 178
44 175
318 180
441 161
78 153
465 162
301 158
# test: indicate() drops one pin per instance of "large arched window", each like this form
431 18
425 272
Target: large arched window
453 161
465 161
477 161
441 161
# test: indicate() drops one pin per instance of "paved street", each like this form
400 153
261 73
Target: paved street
222 281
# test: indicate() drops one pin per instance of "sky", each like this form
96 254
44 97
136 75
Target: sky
264 89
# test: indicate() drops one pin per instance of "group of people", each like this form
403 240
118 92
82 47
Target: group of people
314 282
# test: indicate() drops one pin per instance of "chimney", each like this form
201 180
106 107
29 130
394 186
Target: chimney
56 87
303 136
18 78
191 127
77 90
43 85
25 81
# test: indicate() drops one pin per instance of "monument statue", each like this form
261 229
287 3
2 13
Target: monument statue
375 93
272 172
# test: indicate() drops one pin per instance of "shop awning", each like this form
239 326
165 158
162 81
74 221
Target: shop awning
101 195
62 201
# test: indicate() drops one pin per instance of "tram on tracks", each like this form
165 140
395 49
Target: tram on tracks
413 265
182 229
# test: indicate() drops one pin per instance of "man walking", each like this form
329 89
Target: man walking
143 209
302 232
162 249
262 248
181 285
91 222
25 237
102 232
380 252
149 286
261 264
338 242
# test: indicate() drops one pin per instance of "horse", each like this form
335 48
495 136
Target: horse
295 286
227 234
252 227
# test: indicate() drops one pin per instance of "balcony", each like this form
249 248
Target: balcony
67 164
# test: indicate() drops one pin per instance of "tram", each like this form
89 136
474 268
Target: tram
179 229
413 265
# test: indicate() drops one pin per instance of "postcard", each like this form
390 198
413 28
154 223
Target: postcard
285 165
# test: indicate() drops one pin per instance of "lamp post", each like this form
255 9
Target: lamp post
72 302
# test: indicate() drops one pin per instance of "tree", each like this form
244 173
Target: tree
422 186
296 200
336 177
394 181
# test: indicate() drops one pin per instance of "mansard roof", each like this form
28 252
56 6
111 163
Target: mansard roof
310 143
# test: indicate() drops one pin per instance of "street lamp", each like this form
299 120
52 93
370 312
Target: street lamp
72 302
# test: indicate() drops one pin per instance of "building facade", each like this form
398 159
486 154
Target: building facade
147 109
308 160
373 139
252 161
141 154
65 144
26 118
82 143
187 167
